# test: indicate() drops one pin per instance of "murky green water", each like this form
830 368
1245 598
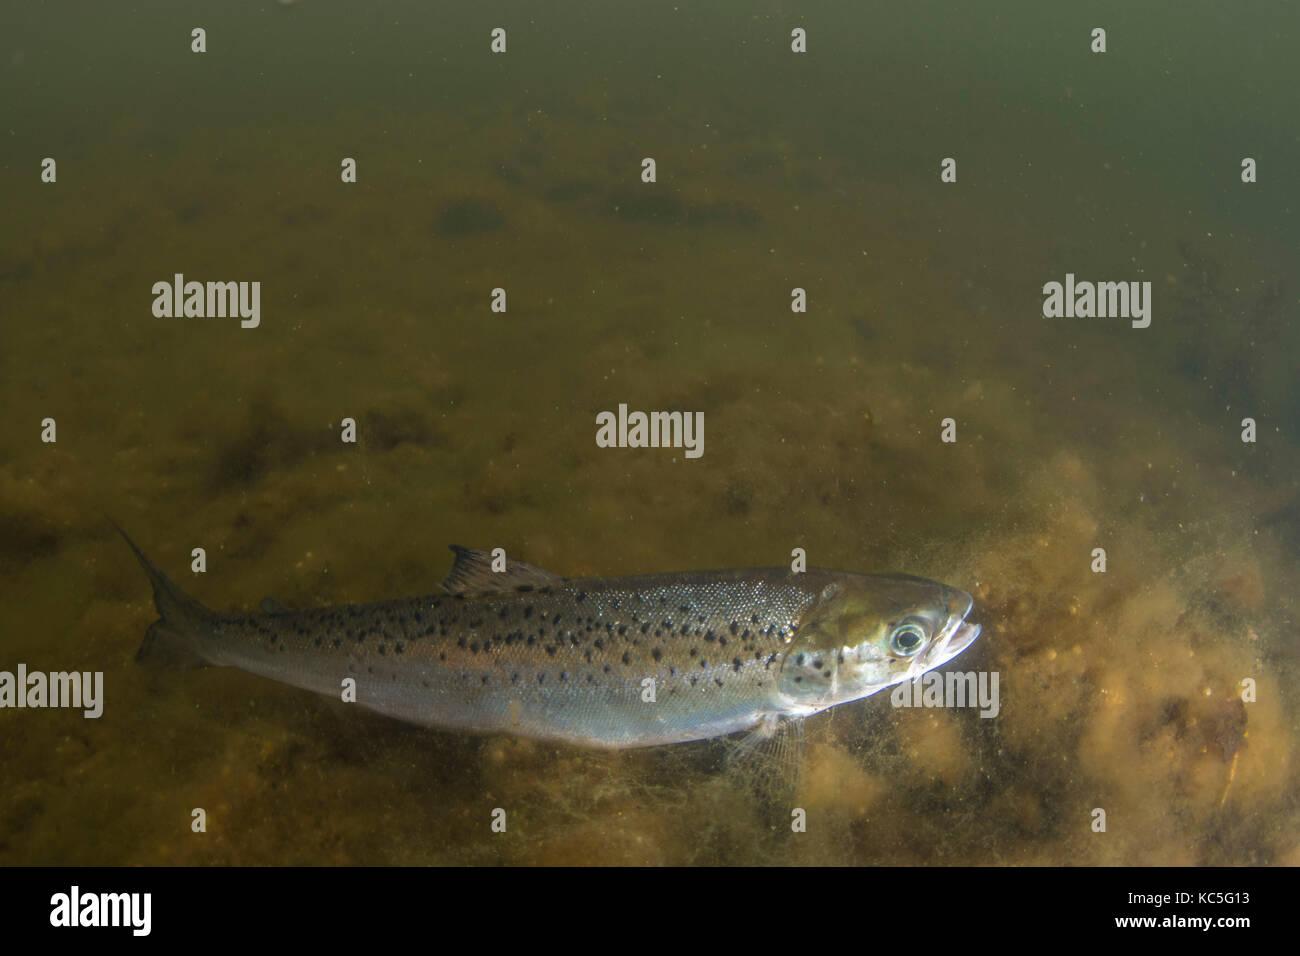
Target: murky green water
1119 690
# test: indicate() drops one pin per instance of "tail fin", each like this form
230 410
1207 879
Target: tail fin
175 637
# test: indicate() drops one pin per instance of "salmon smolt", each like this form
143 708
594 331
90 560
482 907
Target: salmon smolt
603 662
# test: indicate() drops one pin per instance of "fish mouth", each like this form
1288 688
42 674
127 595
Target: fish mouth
956 635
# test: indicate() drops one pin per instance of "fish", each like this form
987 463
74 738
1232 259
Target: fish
613 663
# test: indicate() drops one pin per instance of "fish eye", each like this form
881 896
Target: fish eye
906 640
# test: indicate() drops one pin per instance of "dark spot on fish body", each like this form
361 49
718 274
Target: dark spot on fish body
735 664
718 681
382 650
657 654
550 650
528 611
626 659
337 642
524 589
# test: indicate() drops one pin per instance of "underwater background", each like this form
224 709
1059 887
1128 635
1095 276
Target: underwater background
1120 690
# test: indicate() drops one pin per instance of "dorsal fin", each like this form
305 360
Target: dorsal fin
472 574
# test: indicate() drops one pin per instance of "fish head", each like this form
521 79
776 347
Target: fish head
868 632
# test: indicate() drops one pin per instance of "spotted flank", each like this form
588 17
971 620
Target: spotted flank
603 662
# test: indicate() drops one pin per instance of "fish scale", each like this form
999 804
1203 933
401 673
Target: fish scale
607 662
566 661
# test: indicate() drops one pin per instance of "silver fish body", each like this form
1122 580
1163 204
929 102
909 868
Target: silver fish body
606 662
